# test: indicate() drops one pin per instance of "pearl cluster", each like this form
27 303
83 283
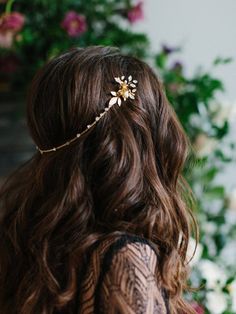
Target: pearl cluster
124 92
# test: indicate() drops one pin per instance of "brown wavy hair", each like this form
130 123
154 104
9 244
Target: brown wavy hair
56 205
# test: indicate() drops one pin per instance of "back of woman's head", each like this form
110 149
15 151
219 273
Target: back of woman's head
123 174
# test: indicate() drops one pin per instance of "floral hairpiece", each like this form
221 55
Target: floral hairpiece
127 90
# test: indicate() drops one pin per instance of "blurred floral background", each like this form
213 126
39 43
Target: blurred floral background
32 32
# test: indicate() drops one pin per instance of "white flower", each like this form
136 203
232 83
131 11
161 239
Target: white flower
209 227
228 253
190 251
216 302
222 112
205 145
230 217
213 273
232 291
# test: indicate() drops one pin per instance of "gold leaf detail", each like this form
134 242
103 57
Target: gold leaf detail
113 100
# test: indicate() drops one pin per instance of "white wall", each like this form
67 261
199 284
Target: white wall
205 29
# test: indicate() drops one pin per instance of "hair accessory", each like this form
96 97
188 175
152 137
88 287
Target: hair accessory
127 90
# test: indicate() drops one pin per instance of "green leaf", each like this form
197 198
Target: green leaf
160 60
210 174
220 60
215 192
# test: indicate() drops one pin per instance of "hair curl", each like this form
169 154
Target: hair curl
56 205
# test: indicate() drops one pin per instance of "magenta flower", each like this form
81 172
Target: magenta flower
197 307
74 24
12 22
135 13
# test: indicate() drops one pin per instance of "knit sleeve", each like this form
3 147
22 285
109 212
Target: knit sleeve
129 285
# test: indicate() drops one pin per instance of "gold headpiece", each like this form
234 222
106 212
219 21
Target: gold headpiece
127 90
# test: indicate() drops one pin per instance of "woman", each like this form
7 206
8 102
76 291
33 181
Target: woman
97 221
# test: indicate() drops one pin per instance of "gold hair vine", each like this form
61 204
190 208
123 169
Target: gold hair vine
126 90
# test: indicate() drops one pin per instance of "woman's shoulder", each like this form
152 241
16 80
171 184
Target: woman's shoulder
132 248
130 267
129 251
121 276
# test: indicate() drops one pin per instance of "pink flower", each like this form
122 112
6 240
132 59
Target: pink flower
197 307
11 22
6 39
74 24
135 13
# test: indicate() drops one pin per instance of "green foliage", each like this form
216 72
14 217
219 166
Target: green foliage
202 116
42 36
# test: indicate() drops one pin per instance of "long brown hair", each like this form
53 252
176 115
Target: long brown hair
124 174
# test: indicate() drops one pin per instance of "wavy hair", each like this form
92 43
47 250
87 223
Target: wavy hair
124 174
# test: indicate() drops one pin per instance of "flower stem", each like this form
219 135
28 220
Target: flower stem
9 6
